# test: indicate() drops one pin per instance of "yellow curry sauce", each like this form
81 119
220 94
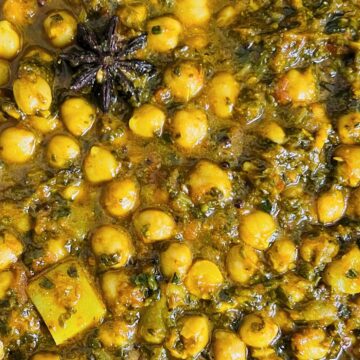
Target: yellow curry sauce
189 193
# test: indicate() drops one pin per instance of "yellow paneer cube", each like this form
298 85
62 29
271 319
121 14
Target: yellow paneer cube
66 300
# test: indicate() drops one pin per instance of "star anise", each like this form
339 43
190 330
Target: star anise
103 63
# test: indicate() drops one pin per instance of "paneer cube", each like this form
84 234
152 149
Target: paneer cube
66 300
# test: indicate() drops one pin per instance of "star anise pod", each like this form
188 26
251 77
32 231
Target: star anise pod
103 62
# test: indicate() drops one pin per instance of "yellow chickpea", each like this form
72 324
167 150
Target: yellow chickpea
185 80
100 165
147 121
116 333
177 259
10 40
192 12
133 15
32 94
62 151
60 28
282 255
20 12
112 245
39 53
348 164
274 132
258 331
226 16
120 293
194 334
228 346
295 288
343 275
78 115
45 356
164 33
2 350
17 145
74 191
121 197
242 262
310 344
207 177
6 280
189 127
331 206
257 229
349 128
10 249
298 88
204 279
4 72
223 91
44 125
154 225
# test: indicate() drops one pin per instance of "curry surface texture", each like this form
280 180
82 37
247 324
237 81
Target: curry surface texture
179 179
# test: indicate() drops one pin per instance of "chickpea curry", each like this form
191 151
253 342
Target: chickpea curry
179 179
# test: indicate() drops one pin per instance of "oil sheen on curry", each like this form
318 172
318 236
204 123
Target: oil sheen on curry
179 179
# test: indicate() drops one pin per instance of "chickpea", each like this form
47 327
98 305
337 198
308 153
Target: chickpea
133 15
203 279
10 249
298 88
226 16
192 12
6 281
242 262
207 177
32 94
164 33
44 125
120 293
228 346
322 312
116 333
177 259
20 12
78 115
176 295
10 40
282 255
257 229
62 151
190 127
258 331
274 132
294 288
343 275
100 165
121 197
348 164
2 350
194 334
73 191
39 53
185 80
310 344
319 250
112 243
45 356
154 225
147 121
4 72
60 28
331 206
223 91
349 128
17 145
17 215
